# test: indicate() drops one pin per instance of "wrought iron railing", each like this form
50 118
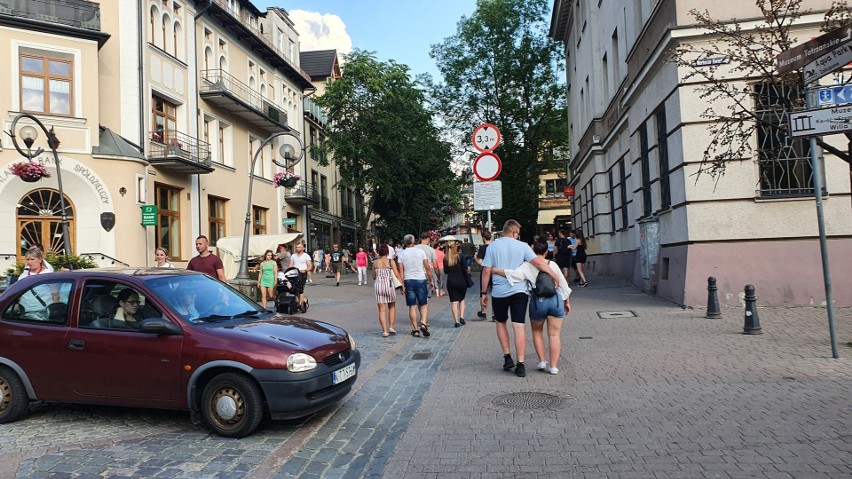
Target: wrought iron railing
73 13
219 80
303 190
176 144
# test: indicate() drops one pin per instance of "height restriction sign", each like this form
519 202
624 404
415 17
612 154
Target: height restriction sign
486 137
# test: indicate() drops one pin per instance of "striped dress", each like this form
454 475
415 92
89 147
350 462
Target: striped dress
384 286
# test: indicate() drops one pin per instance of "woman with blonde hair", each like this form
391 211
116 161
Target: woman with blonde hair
35 263
383 272
454 267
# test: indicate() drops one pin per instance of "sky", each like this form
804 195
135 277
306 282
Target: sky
401 30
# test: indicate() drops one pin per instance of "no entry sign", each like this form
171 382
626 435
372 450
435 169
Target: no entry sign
487 167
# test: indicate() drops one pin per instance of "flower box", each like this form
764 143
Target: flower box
29 171
287 179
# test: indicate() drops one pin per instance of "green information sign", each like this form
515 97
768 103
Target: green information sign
149 215
288 221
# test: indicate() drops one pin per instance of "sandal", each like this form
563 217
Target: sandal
415 333
384 335
392 331
425 330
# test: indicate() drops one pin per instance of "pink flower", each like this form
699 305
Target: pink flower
29 170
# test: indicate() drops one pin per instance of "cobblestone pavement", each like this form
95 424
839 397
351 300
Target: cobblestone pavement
666 393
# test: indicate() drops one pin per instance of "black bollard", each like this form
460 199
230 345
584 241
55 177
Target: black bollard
752 322
713 310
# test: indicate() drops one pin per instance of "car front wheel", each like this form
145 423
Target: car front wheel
14 403
232 405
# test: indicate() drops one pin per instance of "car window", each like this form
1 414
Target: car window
115 306
198 298
45 302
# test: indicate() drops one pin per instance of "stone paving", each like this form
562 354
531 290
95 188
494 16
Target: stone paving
667 393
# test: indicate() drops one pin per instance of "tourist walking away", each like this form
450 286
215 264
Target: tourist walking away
319 259
580 259
425 239
563 254
161 258
572 239
361 263
383 272
302 262
454 265
416 272
509 253
267 276
548 307
480 255
439 271
206 262
336 262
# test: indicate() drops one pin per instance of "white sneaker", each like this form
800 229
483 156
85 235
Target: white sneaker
541 366
553 371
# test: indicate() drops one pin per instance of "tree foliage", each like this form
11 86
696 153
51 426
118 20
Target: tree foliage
501 67
729 88
385 144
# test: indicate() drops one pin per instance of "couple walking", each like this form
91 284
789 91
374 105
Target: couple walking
511 267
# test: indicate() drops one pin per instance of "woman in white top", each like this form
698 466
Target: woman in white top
160 256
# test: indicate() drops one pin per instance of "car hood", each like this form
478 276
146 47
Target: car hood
292 333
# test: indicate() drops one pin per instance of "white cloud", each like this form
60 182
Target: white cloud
321 31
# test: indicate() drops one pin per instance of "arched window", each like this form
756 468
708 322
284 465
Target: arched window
155 31
208 55
223 64
39 220
167 38
178 40
252 83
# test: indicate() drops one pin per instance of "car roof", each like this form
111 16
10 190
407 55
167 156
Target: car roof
138 273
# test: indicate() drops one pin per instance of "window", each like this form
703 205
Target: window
259 216
259 166
324 193
46 84
783 162
623 176
43 303
554 187
291 48
663 153
167 231
605 78
611 176
616 58
646 170
141 190
164 119
217 219
221 157
115 306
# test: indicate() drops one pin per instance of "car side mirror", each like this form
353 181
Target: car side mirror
159 326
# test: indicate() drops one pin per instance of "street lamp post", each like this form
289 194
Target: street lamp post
287 151
29 134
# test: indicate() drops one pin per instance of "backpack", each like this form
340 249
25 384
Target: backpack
544 286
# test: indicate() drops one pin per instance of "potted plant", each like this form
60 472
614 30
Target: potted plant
29 171
286 179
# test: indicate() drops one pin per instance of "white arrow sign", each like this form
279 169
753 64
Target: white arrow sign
831 61
825 121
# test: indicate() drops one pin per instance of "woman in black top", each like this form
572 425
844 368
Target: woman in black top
456 283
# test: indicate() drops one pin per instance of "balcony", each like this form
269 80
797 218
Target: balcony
314 112
178 152
77 18
234 96
302 194
241 26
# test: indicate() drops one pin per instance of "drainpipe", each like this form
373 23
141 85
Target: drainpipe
197 181
141 68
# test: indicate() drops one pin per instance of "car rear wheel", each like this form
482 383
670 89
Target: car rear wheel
232 405
14 403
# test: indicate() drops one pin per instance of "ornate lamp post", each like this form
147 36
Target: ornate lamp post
287 152
29 134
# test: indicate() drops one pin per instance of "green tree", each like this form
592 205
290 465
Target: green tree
385 144
502 68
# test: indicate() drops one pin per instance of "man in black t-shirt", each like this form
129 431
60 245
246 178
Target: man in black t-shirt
480 255
336 262
563 254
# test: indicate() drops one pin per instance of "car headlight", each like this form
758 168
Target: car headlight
351 342
298 362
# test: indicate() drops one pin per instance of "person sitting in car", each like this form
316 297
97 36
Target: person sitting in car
128 305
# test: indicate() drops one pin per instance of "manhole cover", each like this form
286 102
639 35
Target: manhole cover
421 356
528 400
616 314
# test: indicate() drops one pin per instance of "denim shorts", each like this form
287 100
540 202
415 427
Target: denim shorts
541 308
416 292
515 304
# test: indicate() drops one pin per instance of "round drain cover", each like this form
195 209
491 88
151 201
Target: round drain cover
528 400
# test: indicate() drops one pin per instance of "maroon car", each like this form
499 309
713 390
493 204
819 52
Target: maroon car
165 338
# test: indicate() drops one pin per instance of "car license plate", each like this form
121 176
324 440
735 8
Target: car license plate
341 375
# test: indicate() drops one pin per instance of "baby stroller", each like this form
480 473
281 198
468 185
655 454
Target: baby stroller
290 284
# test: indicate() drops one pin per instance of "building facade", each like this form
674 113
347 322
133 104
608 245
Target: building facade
637 138
156 102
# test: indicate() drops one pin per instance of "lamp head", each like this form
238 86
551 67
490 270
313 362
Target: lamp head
287 151
29 135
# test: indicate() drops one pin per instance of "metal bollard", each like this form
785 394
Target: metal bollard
752 322
713 310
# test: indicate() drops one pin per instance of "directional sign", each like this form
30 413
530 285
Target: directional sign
487 195
824 121
149 215
835 95
831 61
288 221
487 167
803 54
486 137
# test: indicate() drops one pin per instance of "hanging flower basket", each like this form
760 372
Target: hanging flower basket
287 179
29 171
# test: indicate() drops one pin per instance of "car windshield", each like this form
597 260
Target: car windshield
199 298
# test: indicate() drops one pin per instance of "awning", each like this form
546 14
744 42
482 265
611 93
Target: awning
113 144
547 217
229 248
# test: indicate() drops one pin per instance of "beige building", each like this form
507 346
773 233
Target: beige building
637 137
162 106
554 207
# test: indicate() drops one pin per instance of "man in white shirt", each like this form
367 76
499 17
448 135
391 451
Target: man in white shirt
301 261
417 279
431 256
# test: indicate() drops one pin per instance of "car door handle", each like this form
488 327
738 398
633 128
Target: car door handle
76 344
